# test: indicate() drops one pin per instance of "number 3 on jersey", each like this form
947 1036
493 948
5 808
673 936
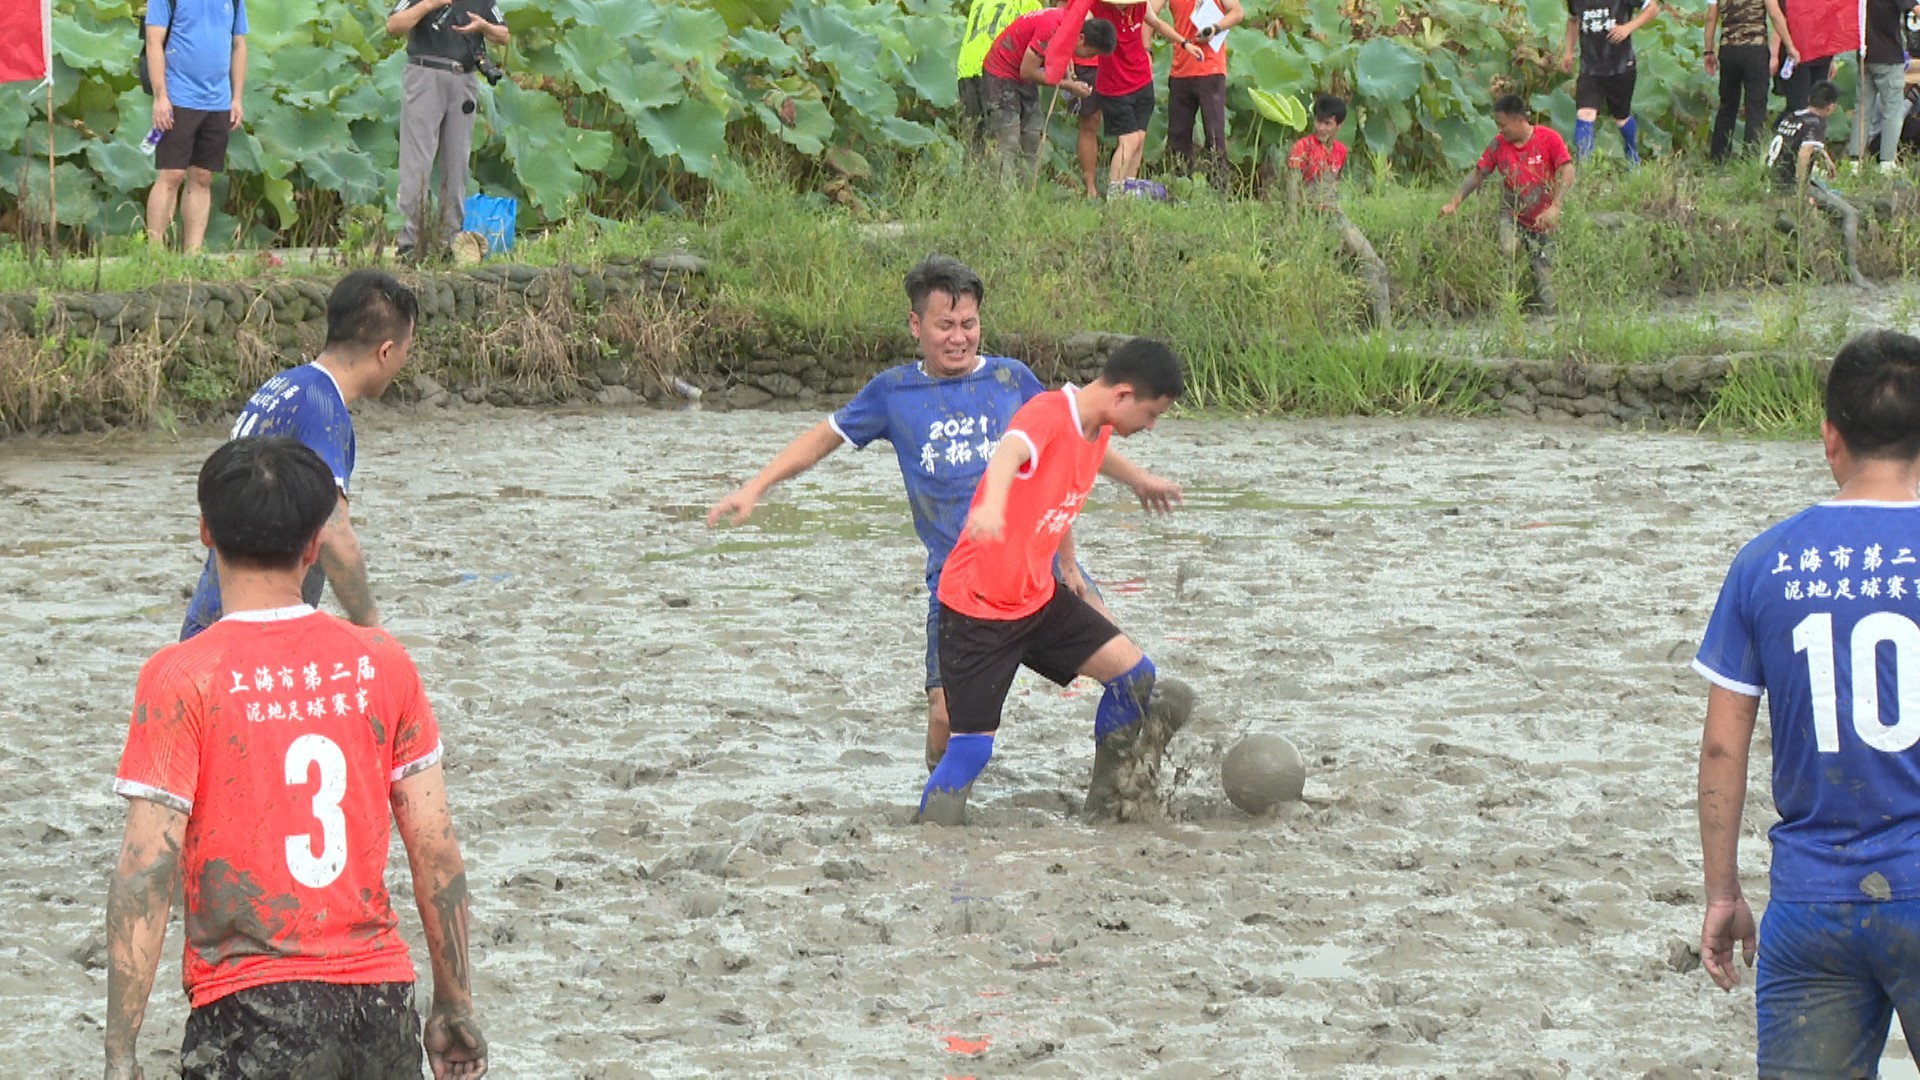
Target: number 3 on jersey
319 871
1814 636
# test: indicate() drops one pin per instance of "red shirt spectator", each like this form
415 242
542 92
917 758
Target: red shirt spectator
1527 170
1317 160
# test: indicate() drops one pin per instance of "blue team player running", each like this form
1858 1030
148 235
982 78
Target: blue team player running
1821 613
944 415
370 321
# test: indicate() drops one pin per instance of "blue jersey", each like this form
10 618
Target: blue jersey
1820 613
306 404
200 50
943 431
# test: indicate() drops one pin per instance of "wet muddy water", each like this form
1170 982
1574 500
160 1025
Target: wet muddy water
683 762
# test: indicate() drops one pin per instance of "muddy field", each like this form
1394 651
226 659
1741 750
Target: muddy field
684 762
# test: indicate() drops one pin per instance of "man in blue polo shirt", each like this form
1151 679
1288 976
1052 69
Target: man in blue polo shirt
197 61
370 320
944 414
1821 613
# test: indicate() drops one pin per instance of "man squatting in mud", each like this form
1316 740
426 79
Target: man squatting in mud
267 759
944 414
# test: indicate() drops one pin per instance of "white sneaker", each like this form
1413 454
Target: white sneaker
1888 168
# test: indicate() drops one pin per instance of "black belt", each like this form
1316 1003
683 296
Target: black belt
439 63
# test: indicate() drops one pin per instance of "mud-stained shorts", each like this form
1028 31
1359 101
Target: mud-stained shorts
305 1031
979 657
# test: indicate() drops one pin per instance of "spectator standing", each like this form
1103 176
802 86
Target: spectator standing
985 20
197 62
1197 83
1884 106
1603 32
1753 38
445 44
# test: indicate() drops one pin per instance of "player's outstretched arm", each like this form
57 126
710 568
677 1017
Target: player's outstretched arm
346 566
139 897
455 1047
1724 748
1467 187
1155 493
799 455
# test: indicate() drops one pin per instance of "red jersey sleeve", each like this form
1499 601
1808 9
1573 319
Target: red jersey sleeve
1036 425
1297 157
416 734
161 760
1489 159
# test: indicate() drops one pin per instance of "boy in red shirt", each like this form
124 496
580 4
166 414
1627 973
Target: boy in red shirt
1314 166
1000 607
267 759
1533 162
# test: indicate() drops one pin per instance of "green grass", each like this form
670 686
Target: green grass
1258 297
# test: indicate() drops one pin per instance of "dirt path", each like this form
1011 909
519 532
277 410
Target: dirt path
684 762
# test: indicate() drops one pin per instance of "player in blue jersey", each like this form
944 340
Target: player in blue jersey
370 319
1821 613
944 414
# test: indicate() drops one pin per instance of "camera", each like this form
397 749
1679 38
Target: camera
488 70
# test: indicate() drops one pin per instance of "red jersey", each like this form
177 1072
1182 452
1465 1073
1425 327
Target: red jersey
1012 577
1212 61
1528 171
1130 67
1320 165
1030 31
280 734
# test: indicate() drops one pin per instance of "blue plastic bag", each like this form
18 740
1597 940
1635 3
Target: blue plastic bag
492 217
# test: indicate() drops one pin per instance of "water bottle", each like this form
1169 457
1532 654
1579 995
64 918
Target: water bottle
152 140
1786 68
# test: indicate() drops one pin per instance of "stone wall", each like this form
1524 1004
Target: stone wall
643 329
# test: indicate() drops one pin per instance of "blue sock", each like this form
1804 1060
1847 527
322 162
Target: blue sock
1630 138
965 759
1582 138
1125 700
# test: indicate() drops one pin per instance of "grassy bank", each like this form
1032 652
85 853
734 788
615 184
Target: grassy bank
1258 297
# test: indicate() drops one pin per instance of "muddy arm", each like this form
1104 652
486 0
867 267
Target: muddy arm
795 458
1154 493
346 566
455 1047
139 898
1724 748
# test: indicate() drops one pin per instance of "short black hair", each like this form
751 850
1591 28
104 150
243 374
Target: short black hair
942 273
1824 93
1100 36
264 498
367 308
1510 105
1328 107
1873 395
1150 367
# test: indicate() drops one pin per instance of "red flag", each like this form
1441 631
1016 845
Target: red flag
1823 28
26 40
1065 37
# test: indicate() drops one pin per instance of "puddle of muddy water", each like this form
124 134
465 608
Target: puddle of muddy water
683 762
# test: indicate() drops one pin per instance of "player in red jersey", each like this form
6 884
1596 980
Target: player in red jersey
267 759
1533 161
1000 606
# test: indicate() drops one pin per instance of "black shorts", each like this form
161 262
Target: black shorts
979 657
197 140
1084 106
1613 91
305 1029
1127 113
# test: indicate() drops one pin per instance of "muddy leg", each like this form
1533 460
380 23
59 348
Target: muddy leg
1126 764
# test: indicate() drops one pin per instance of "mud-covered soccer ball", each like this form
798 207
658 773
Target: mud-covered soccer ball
1263 771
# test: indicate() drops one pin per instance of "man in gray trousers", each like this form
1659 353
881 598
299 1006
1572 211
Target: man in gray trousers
445 42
